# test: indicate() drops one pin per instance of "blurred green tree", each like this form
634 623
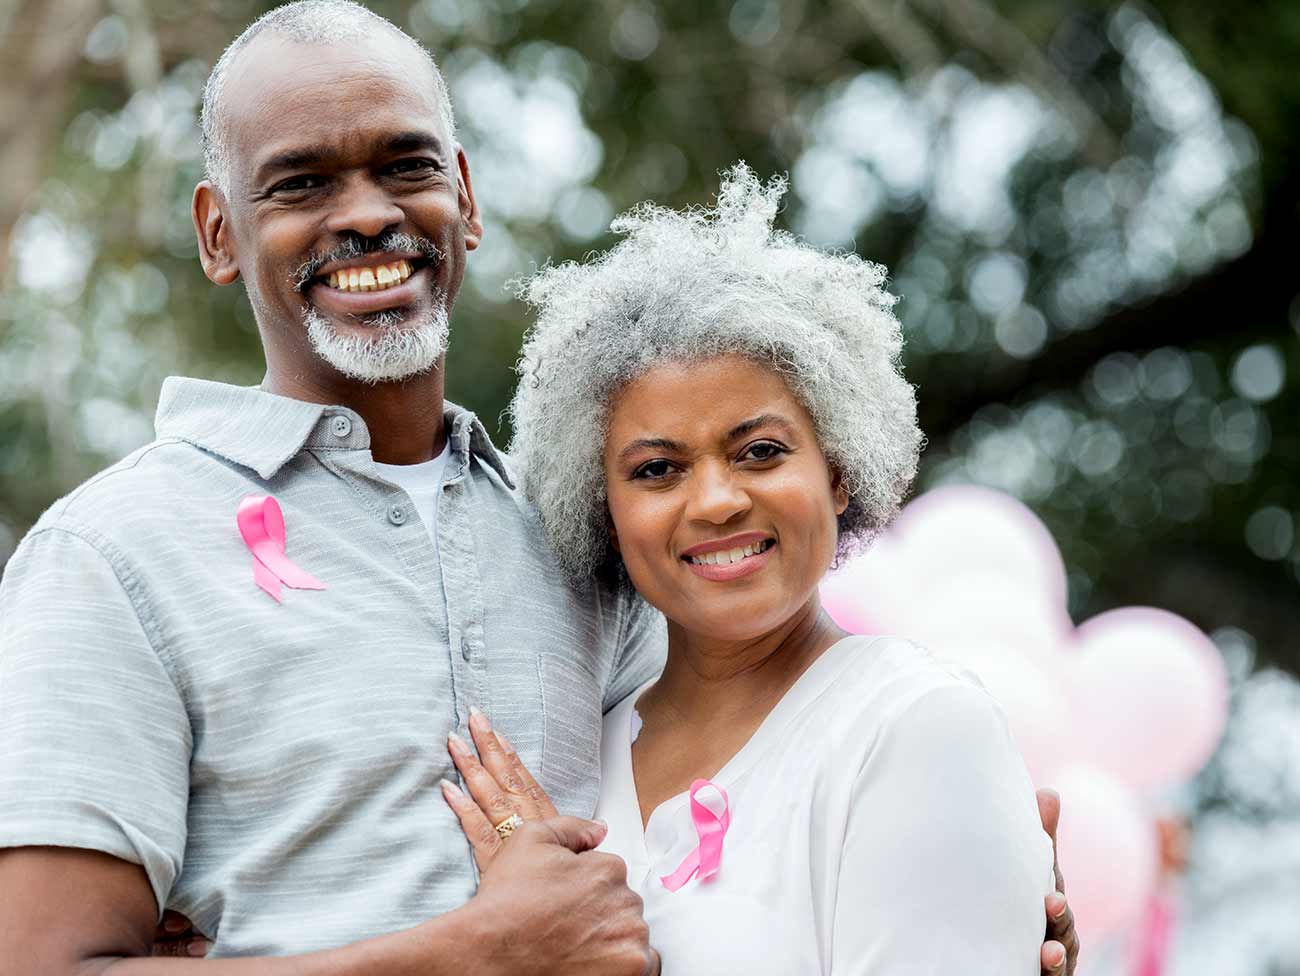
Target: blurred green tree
1088 209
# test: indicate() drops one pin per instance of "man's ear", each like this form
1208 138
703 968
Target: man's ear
469 214
839 492
216 243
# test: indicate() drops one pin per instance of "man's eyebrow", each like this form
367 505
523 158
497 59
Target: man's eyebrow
305 157
412 140
762 420
301 157
652 443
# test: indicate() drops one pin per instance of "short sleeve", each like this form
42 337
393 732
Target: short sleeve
643 645
94 739
945 863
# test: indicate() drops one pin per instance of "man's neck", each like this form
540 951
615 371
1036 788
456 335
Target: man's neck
405 419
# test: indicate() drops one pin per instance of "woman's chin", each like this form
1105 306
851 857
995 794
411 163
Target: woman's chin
732 622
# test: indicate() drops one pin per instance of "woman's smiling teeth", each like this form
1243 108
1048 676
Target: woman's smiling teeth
726 557
371 279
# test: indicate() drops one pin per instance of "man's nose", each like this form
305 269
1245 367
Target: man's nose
363 208
717 495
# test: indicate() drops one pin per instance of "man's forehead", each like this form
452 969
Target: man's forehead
281 86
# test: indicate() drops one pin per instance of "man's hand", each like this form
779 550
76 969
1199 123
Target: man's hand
1060 953
176 936
551 904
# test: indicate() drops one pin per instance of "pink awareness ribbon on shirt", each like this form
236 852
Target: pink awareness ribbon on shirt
261 523
711 828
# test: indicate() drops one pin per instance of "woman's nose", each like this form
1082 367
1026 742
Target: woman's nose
716 494
365 209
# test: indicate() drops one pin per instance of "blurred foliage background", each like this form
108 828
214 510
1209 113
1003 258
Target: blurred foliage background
1090 210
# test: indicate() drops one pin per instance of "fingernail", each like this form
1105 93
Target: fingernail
1053 792
505 743
1059 911
174 925
456 743
450 788
1060 956
198 948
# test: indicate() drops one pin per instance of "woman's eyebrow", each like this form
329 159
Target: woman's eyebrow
762 420
651 443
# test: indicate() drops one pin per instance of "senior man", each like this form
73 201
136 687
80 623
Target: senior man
229 663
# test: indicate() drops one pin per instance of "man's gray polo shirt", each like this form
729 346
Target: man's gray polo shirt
274 767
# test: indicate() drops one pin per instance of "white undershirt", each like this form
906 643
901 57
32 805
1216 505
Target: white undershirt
422 484
882 824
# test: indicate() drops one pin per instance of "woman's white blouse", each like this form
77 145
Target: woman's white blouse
882 824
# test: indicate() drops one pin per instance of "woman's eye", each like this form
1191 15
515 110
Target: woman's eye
762 451
657 468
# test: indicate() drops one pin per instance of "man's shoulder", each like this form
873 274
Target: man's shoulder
145 493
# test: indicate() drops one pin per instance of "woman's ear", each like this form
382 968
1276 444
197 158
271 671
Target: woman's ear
216 243
613 532
838 492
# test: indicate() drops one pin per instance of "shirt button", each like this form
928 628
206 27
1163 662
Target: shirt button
341 425
397 515
464 648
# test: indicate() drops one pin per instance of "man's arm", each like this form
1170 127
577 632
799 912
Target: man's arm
550 905
642 646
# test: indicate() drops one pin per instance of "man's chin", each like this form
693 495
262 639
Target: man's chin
381 347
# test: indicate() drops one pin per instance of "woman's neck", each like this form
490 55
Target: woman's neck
712 697
707 681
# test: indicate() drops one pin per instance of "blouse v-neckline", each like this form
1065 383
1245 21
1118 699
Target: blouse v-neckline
805 691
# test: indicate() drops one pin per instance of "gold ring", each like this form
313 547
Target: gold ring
509 825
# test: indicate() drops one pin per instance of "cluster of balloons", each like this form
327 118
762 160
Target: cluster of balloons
1129 703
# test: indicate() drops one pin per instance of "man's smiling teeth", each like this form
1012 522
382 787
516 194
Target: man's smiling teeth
729 556
370 279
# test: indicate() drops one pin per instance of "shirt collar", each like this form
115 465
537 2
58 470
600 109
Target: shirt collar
262 431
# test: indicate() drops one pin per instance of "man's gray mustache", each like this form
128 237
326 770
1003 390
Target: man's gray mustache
353 248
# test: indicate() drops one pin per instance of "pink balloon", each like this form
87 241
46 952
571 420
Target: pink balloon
864 596
1149 694
1031 694
987 608
1107 849
957 531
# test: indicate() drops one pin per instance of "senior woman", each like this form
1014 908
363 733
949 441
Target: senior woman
712 412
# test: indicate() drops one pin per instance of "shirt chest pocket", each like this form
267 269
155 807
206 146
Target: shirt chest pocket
571 696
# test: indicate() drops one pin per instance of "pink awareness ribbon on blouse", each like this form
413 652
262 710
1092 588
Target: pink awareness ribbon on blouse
711 828
261 523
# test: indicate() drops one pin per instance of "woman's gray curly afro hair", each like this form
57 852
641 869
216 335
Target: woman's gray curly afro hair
690 286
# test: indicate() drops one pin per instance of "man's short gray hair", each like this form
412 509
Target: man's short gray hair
693 285
307 22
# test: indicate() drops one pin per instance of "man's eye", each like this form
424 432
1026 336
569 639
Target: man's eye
762 451
652 470
413 167
296 184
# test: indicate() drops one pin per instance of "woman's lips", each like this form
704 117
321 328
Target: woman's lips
366 302
732 571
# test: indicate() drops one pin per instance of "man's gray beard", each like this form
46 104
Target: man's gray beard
397 350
